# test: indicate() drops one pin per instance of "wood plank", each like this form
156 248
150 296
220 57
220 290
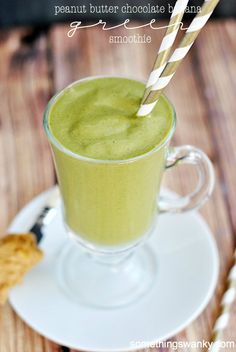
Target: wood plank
193 128
25 161
136 60
217 51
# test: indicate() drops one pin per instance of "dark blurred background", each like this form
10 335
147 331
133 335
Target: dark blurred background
41 12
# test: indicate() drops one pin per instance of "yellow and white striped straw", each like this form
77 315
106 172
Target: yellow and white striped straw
176 58
226 303
166 44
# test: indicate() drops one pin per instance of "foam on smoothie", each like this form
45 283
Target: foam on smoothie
96 118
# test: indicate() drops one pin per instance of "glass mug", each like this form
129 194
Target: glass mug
110 208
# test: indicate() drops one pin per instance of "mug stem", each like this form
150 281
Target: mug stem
106 281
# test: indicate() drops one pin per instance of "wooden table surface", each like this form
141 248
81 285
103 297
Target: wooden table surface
34 65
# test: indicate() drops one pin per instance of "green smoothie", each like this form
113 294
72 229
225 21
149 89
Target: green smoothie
108 180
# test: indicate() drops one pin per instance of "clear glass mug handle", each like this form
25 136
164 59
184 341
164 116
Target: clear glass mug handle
187 154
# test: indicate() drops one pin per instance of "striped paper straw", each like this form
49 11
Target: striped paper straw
223 318
175 60
166 44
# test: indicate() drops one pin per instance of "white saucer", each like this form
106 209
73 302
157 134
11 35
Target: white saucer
187 274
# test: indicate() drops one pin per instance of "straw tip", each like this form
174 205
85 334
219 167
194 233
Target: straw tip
145 109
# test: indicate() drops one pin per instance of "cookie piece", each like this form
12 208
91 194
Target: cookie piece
18 254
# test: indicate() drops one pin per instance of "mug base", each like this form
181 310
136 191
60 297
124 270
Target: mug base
109 283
